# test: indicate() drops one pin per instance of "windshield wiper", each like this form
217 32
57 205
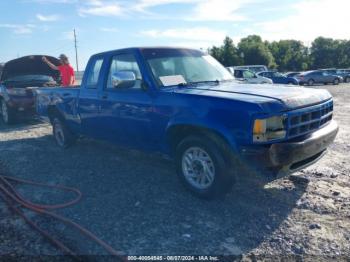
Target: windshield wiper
206 82
198 83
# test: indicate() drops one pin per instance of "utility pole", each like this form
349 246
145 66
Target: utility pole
76 50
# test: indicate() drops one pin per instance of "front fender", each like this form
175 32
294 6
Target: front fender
207 124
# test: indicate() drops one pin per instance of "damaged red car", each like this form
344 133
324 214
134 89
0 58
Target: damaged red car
18 80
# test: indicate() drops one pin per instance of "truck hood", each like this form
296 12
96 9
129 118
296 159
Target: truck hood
290 97
29 65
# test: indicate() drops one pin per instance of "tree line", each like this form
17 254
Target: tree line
284 55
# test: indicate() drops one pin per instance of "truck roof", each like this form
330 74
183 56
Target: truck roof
144 48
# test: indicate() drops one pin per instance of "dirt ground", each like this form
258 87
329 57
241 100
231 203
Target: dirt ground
135 203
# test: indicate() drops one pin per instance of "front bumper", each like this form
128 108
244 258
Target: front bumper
289 157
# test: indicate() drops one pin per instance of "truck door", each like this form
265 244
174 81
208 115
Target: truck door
126 111
89 99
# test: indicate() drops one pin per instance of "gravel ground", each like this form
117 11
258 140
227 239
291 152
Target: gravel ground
134 201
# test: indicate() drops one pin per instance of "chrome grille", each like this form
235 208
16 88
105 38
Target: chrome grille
306 120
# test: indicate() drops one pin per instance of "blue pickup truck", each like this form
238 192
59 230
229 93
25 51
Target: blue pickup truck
185 104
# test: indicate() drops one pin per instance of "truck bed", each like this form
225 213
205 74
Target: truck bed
64 98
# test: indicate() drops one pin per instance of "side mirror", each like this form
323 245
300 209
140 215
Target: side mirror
123 79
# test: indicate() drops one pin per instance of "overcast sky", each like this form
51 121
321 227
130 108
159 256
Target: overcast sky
46 26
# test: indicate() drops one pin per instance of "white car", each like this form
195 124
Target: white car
253 68
250 77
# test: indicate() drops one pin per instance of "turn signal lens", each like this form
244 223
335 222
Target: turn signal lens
259 126
269 129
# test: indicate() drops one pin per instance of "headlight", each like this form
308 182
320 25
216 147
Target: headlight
17 91
268 129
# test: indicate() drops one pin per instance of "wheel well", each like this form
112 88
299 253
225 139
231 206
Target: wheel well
177 133
52 112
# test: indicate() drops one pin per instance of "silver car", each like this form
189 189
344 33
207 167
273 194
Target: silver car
250 77
318 77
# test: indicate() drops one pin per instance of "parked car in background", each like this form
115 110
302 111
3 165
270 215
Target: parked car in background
18 79
250 77
279 78
318 77
184 103
292 74
344 73
253 68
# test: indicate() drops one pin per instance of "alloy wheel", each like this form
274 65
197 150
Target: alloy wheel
198 168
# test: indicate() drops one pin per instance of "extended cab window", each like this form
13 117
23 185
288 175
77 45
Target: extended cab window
94 74
124 62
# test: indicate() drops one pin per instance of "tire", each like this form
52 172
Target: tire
63 137
202 168
336 81
310 82
347 80
7 114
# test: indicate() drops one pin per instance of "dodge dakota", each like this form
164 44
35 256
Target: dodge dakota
18 78
184 103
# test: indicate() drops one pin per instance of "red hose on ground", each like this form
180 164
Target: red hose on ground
12 197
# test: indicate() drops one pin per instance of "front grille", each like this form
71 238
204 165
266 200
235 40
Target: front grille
309 119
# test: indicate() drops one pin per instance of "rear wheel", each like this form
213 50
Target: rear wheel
202 167
336 81
7 114
64 138
347 80
311 82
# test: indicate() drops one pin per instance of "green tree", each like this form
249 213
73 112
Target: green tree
227 54
216 52
230 53
286 55
324 52
343 54
289 55
255 52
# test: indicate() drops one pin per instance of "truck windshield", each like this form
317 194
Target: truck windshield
181 66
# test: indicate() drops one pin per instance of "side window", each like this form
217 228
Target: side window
124 62
248 74
94 73
238 74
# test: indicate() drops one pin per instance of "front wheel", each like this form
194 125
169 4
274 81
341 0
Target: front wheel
336 81
347 80
202 167
64 138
